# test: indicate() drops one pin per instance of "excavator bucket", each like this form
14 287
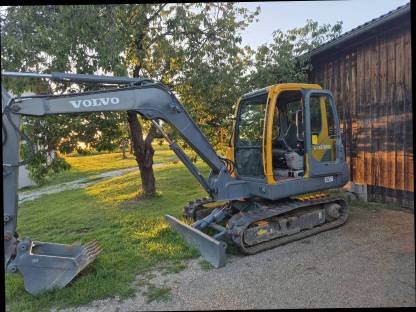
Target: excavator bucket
210 249
45 266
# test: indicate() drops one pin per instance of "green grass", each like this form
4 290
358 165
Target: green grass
82 166
205 265
174 267
154 293
134 236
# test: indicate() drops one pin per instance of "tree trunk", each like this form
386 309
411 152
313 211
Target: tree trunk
143 152
123 149
142 148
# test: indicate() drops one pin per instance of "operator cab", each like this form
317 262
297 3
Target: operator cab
270 142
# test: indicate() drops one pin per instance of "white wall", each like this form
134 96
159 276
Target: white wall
24 179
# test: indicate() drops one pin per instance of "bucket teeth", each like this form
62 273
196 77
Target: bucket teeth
91 250
88 254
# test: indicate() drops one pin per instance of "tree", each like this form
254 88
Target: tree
285 58
212 88
163 41
37 39
171 42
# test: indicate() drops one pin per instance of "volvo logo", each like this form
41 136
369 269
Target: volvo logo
95 102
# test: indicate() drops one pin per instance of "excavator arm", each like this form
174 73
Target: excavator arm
153 101
47 265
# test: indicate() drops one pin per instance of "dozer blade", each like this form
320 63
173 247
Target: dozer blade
45 266
211 250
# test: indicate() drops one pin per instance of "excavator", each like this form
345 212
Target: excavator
285 151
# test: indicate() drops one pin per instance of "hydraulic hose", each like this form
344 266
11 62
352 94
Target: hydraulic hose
32 149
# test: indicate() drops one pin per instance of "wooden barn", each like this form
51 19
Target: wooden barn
369 71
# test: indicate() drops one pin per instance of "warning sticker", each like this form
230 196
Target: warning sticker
321 147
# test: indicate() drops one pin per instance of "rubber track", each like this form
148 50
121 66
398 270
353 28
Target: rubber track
241 221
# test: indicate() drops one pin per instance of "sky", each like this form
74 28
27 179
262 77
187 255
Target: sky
286 15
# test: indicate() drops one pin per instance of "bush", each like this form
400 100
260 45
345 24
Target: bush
83 151
40 168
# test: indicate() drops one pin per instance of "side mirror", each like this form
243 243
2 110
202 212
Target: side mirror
299 125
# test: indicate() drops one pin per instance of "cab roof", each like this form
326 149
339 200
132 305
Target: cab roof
281 86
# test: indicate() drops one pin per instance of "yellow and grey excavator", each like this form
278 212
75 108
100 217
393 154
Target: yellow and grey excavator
285 150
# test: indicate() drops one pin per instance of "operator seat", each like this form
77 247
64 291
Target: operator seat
288 142
291 135
284 144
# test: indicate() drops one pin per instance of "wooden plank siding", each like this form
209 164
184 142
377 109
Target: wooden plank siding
372 87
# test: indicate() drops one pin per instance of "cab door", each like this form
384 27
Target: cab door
248 134
323 145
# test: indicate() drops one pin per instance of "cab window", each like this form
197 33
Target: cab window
251 121
249 139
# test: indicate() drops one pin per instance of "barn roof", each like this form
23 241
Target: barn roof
363 29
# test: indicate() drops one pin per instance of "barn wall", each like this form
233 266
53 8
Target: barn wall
372 86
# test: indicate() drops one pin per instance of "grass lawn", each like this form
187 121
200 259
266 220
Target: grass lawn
133 234
82 166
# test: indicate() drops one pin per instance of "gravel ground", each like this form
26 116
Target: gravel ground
369 262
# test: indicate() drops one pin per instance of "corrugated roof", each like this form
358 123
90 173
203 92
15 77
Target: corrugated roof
396 13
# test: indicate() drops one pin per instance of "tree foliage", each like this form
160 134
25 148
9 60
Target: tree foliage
59 38
285 58
191 47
